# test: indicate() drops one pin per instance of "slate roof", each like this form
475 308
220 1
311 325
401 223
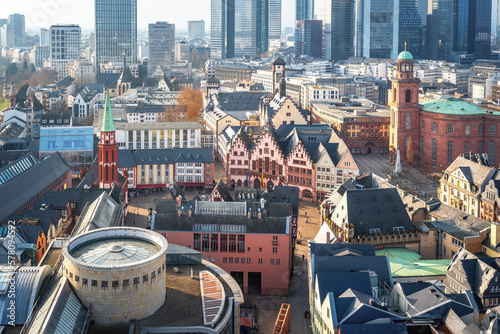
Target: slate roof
340 282
273 221
126 159
332 249
29 282
333 264
21 98
22 189
221 188
30 233
391 328
7 157
279 61
175 190
166 156
372 208
245 101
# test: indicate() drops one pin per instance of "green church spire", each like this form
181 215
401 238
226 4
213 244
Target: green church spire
107 119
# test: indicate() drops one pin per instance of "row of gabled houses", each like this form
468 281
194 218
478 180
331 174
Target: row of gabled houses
310 157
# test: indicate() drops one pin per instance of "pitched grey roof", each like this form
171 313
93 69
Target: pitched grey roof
367 209
28 185
29 281
101 213
332 249
223 191
245 101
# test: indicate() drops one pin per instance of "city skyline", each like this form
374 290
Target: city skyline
149 11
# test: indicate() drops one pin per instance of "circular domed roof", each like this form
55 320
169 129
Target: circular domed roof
116 248
452 106
405 55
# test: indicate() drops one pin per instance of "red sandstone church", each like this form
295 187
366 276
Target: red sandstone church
439 130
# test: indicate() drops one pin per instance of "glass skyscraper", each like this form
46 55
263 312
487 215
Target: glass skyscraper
343 14
304 10
274 19
116 31
377 28
411 30
245 37
309 38
222 29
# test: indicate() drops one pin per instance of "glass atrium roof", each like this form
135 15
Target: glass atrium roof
116 251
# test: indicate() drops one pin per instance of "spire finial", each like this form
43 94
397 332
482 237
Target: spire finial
405 45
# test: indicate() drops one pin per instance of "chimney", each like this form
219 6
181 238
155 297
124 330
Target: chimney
179 200
249 215
260 215
190 213
179 212
327 237
495 234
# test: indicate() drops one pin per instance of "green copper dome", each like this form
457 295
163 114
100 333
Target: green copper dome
107 119
405 55
452 106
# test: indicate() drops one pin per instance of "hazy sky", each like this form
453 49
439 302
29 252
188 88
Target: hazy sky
43 13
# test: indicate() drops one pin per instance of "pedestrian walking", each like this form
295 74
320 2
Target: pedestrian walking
303 257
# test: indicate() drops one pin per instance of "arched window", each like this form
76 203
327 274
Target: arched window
493 129
408 96
491 153
434 145
408 121
421 149
450 128
450 152
467 147
422 124
434 127
467 129
394 97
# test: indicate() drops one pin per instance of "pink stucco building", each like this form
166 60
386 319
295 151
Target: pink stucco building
250 240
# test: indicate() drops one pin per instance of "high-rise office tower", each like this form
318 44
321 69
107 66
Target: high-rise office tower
18 24
464 27
411 30
44 36
65 44
245 35
309 38
7 35
161 45
116 31
196 29
222 28
262 26
343 15
472 27
377 28
323 12
445 29
274 19
304 9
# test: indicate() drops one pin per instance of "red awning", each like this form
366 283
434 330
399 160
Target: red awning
151 186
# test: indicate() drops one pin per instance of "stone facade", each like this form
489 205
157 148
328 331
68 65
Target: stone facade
118 293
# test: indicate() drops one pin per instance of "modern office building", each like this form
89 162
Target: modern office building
263 33
222 28
445 29
44 36
472 27
411 30
161 45
304 10
65 44
18 24
309 38
274 19
116 31
245 36
342 36
323 12
196 29
377 28
7 35
74 144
